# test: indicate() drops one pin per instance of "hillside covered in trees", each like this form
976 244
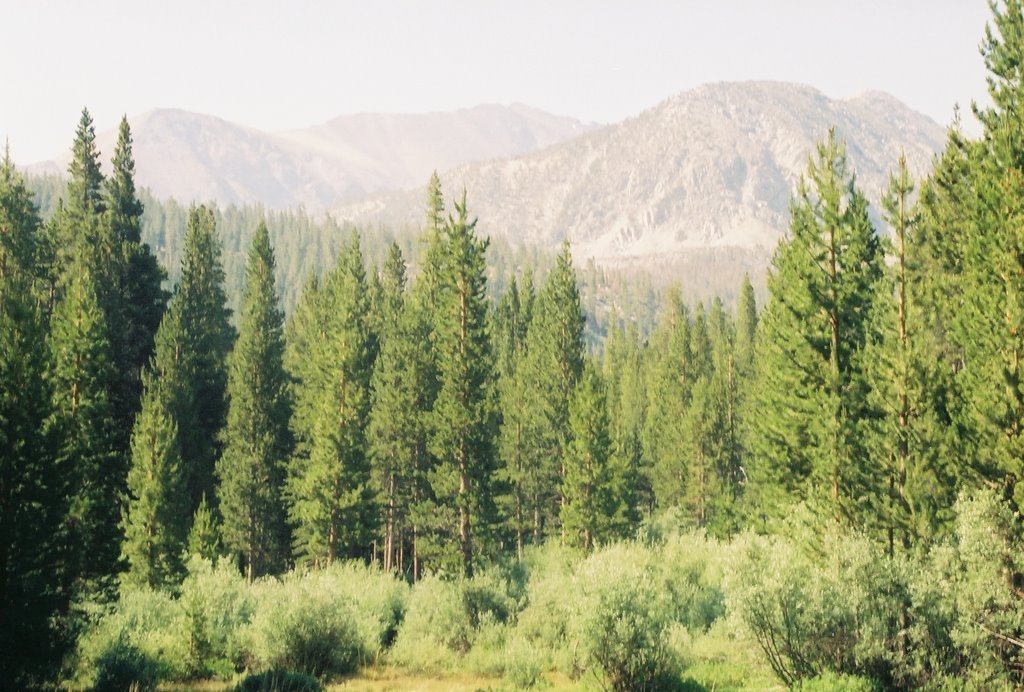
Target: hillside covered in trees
423 467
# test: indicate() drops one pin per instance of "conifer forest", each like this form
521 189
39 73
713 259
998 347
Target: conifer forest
255 450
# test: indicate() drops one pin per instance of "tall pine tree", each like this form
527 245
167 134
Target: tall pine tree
256 439
464 412
823 282
33 482
208 338
331 498
80 378
134 299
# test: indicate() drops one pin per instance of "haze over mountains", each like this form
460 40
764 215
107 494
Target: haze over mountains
707 173
195 157
707 170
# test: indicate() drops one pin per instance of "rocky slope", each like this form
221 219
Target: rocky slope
711 168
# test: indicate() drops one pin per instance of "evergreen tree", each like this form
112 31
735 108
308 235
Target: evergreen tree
729 390
158 507
134 300
464 412
398 436
204 536
672 373
208 338
988 322
85 181
591 502
156 517
33 482
627 407
75 232
554 361
746 325
518 470
256 438
909 433
823 282
82 421
331 499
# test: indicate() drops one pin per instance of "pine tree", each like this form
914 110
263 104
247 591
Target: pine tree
398 435
80 377
590 500
518 470
729 389
208 338
627 408
816 325
672 374
331 499
554 361
134 300
988 323
156 517
158 508
746 325
33 483
76 231
256 438
204 536
909 432
85 181
464 412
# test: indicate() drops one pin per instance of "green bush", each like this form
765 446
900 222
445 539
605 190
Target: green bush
621 620
689 570
278 681
297 626
522 664
379 601
150 622
968 614
446 616
123 666
545 618
842 616
216 603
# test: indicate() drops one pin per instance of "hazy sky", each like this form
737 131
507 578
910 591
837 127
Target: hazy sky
279 64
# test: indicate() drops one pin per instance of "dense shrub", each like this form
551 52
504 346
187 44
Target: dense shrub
967 617
446 616
378 599
545 618
522 664
297 625
841 616
278 681
621 620
216 603
123 666
150 622
688 568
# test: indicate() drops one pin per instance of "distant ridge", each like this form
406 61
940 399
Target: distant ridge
191 156
714 167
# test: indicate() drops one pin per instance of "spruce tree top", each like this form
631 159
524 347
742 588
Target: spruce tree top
85 181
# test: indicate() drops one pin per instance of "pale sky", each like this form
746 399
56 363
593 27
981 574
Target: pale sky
280 64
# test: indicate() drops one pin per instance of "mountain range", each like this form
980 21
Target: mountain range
702 178
196 157
709 169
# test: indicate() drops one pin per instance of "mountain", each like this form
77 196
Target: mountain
706 173
191 156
